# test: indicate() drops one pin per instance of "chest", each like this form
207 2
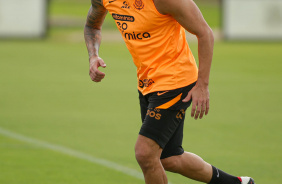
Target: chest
135 16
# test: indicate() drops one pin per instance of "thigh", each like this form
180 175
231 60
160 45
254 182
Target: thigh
174 145
163 116
144 103
147 147
160 125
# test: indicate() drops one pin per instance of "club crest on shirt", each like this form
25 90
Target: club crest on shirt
125 5
138 4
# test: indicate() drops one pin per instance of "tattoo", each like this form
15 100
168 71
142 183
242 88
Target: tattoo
96 14
100 2
92 30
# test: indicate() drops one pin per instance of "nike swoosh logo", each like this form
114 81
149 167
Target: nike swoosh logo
217 173
159 94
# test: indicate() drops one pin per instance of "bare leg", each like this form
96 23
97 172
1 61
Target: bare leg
147 154
189 165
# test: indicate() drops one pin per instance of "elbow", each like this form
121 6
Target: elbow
89 30
206 34
87 27
210 35
92 27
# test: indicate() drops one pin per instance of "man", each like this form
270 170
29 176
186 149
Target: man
154 32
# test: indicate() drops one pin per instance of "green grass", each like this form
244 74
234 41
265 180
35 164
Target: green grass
24 163
46 94
69 8
75 8
211 13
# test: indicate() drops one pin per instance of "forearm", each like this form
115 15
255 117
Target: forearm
205 52
93 26
92 38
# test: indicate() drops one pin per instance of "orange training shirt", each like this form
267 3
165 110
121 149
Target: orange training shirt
157 44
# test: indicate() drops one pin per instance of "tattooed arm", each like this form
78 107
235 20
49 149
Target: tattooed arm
92 35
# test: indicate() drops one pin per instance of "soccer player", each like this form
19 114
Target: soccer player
168 80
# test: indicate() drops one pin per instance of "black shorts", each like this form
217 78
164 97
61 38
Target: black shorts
163 114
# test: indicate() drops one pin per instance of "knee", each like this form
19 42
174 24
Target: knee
144 156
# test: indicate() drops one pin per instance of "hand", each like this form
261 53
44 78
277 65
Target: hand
200 101
94 73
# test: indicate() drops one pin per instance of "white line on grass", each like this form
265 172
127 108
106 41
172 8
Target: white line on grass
74 153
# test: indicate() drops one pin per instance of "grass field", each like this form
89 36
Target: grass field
79 9
47 95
